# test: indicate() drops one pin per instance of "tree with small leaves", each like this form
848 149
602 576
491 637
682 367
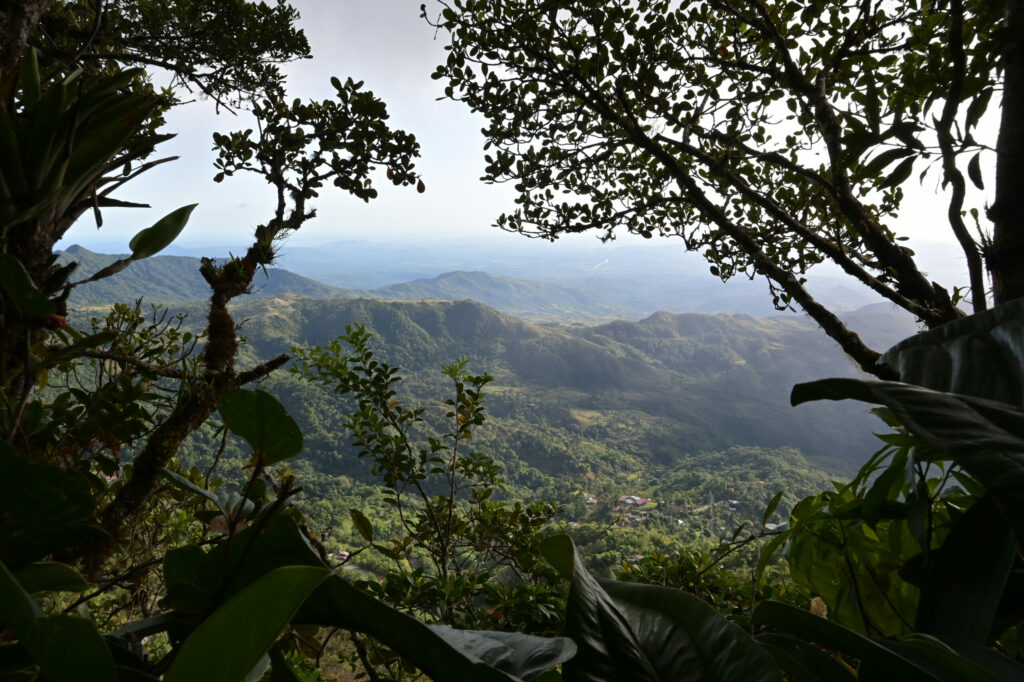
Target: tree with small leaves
769 136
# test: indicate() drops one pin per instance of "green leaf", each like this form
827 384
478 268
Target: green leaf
808 627
769 551
964 584
362 524
974 171
17 607
45 509
27 299
72 650
50 576
337 603
941 661
984 437
882 161
66 649
76 349
522 656
30 82
900 173
156 238
803 660
261 420
772 506
228 644
647 632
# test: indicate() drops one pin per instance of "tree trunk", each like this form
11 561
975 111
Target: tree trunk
1005 255
17 19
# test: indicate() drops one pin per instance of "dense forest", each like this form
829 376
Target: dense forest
269 478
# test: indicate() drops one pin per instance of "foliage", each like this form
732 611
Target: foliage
461 557
770 137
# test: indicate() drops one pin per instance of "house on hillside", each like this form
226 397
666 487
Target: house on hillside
633 500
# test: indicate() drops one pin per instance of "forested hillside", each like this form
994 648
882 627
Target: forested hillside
654 391
167 279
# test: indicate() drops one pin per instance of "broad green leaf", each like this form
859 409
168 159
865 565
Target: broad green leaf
45 509
362 524
17 608
808 627
941 661
964 584
76 349
50 576
770 509
977 356
1003 667
522 656
984 437
228 644
27 299
336 603
339 604
192 574
802 660
974 171
159 236
261 420
67 649
72 650
647 632
900 173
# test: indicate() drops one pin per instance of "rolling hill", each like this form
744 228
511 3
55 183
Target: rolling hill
593 400
170 279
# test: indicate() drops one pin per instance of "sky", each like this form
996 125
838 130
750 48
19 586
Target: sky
393 52
386 44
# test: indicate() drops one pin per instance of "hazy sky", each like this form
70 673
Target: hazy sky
386 44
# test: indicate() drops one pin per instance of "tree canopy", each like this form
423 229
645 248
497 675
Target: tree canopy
769 136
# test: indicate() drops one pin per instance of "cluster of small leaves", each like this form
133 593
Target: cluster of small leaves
863 547
463 541
226 51
762 134
302 145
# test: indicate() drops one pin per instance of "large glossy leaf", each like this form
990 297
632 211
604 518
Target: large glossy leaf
523 656
27 299
191 575
984 437
964 584
803 661
805 626
72 650
979 356
67 649
228 644
159 236
940 660
45 509
50 576
647 632
261 420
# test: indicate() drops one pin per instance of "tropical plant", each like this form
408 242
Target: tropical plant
462 557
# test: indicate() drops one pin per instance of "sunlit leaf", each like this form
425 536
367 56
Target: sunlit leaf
262 421
159 236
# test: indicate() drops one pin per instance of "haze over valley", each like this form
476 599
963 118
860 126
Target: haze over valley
610 378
